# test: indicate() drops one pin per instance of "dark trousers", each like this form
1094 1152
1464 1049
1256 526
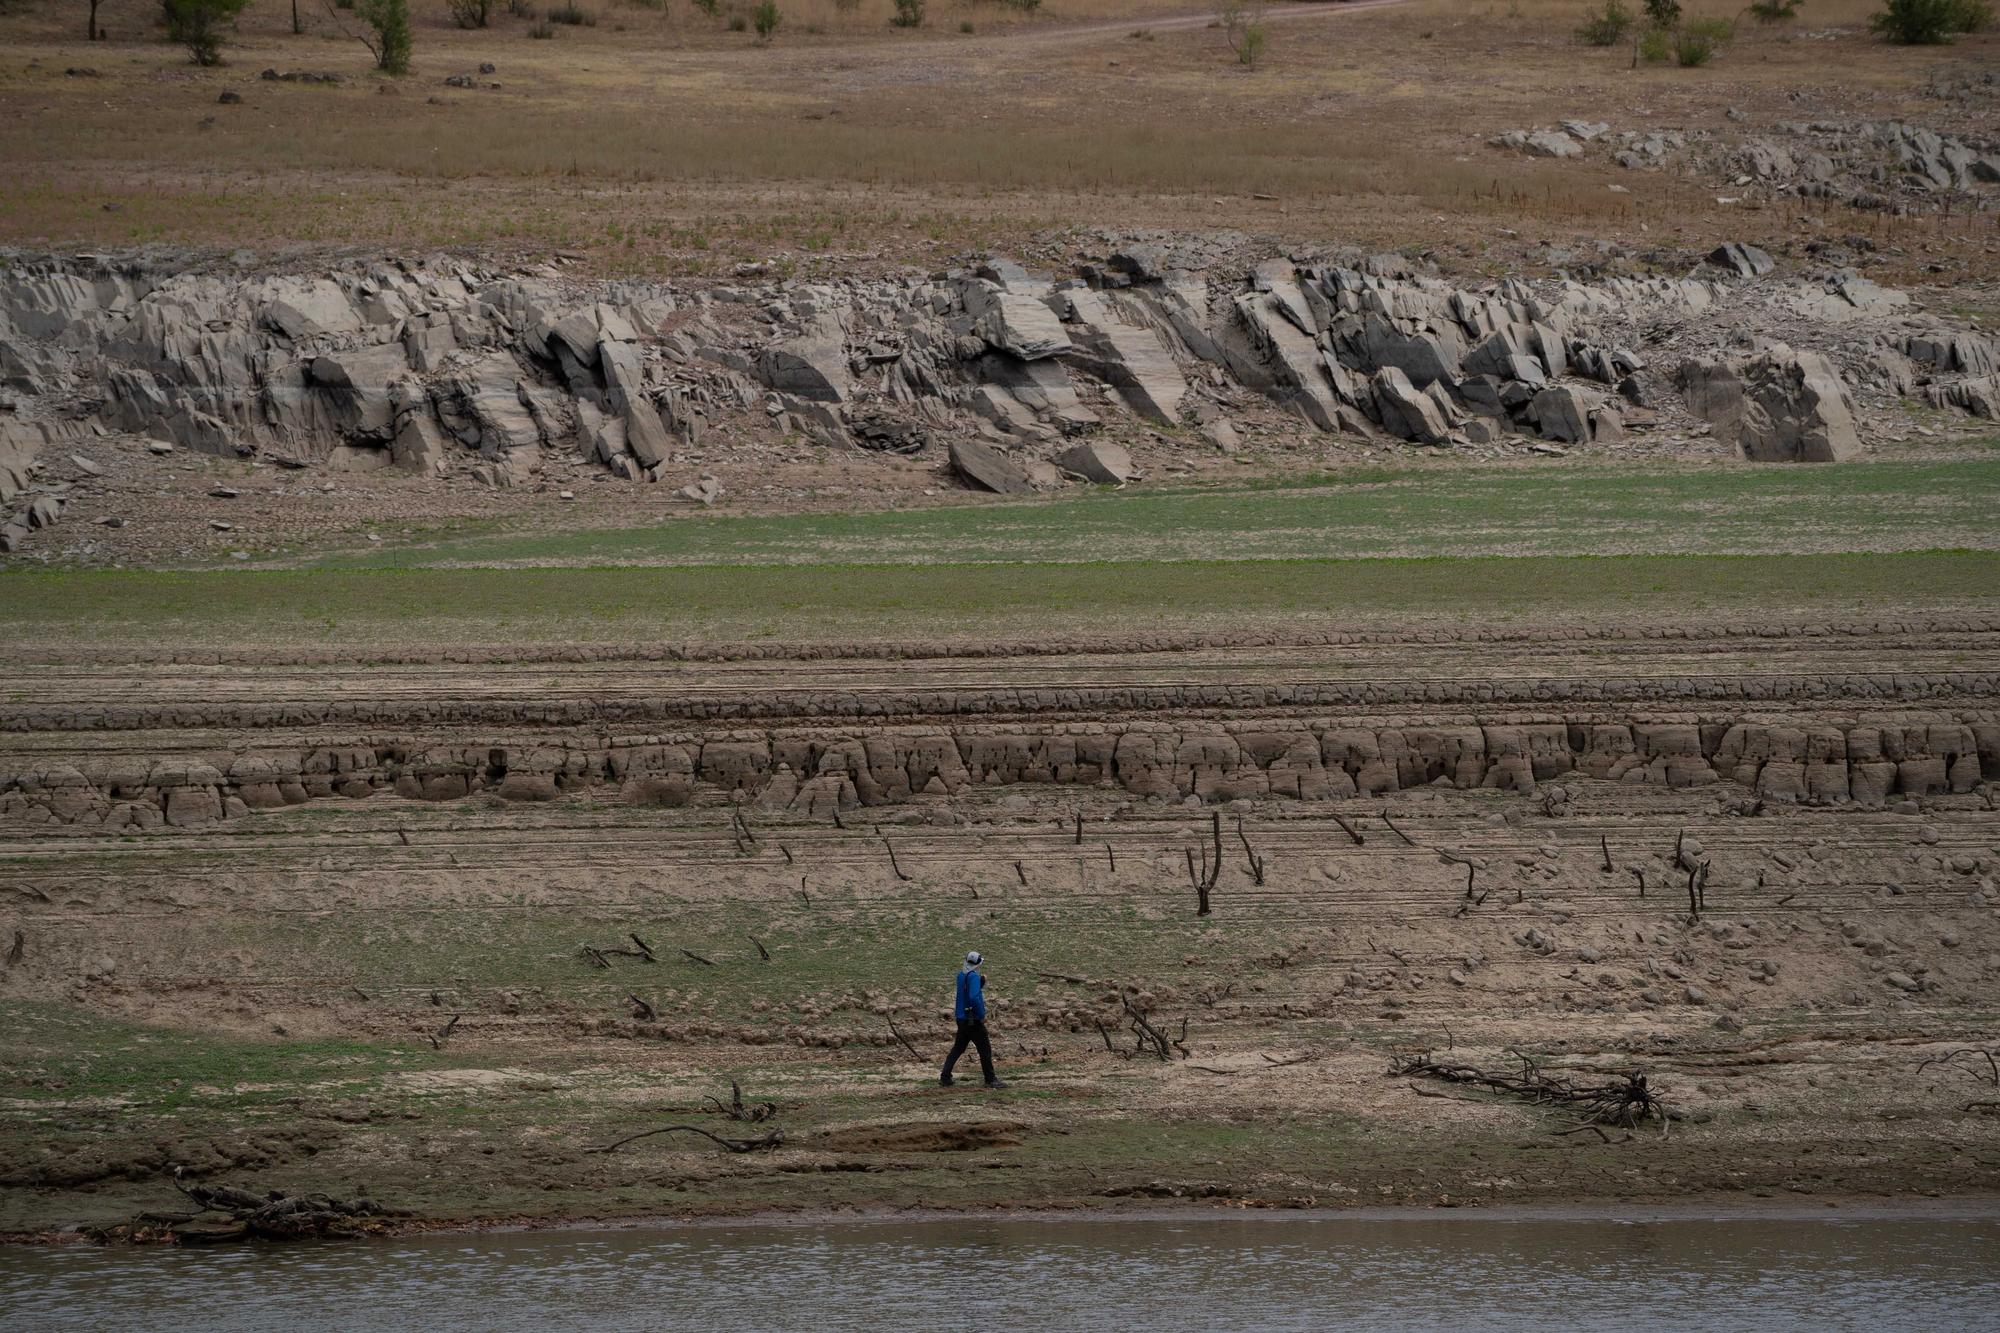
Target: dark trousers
972 1032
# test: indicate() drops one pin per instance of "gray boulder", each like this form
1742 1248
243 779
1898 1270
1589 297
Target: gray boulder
1098 460
811 365
1745 261
989 469
357 381
1014 322
305 308
1406 411
1561 413
1779 406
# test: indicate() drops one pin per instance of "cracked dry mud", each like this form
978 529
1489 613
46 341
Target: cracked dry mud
438 839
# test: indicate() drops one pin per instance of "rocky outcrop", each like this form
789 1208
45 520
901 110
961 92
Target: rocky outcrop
818 771
443 370
1779 406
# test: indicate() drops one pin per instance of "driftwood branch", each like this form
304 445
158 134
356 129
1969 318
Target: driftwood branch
737 1110
770 1140
1624 1099
896 1032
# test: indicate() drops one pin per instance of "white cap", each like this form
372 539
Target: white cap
974 959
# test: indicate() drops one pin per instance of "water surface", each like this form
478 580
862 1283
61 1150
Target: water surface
1938 1273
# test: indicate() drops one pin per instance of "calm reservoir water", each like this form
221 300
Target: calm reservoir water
1940 1274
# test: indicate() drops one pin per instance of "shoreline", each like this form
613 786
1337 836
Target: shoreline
1848 1208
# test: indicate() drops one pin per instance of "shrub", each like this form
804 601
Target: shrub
708 7
965 25
766 18
198 25
846 6
1242 24
522 9
909 14
1608 28
1025 6
1250 44
470 13
1663 13
1931 22
389 20
1698 40
541 30
1656 46
573 14
737 23
1775 11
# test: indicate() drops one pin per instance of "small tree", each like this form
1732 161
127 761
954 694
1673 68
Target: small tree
1607 28
198 25
389 23
909 14
765 18
91 32
1242 24
471 13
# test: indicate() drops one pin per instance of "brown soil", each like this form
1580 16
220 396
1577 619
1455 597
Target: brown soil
315 951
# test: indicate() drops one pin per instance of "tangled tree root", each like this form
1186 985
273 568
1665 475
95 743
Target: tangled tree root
1624 1099
248 1215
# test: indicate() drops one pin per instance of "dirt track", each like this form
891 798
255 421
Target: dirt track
324 940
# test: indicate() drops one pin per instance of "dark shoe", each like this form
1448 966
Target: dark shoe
996 1083
944 1080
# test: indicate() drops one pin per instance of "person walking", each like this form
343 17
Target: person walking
969 1008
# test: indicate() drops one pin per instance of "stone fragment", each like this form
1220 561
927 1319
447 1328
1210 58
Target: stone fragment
1099 461
989 469
1745 261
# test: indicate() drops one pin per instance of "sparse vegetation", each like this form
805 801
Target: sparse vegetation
909 14
198 25
1607 27
1775 11
1930 22
1697 40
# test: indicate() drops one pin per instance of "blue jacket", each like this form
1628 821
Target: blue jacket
971 1000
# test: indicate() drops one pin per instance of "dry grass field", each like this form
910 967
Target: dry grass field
660 141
